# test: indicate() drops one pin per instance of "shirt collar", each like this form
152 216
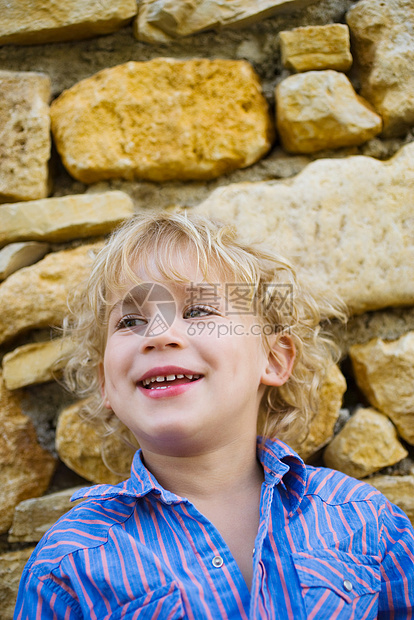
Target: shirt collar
280 463
283 466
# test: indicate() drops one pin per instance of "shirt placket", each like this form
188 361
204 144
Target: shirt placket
258 605
226 584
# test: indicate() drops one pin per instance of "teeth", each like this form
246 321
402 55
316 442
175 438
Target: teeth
160 379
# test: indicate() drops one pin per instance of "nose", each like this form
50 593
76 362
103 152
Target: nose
159 336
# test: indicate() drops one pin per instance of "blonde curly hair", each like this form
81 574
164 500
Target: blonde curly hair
148 240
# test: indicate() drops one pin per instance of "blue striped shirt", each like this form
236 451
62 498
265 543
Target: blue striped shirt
328 546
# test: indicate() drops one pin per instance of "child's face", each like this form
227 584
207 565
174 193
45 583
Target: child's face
209 360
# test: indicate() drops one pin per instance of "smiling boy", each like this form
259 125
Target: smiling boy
214 521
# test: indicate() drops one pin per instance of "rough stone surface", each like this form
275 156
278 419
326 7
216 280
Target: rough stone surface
11 568
68 217
35 296
384 371
24 135
399 490
388 324
311 48
34 517
383 46
211 118
321 429
26 22
319 110
367 443
25 468
67 63
17 255
33 363
347 224
160 21
81 445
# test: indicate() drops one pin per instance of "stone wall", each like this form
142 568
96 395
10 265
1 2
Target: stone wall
291 118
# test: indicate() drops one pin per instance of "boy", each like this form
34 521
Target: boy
192 341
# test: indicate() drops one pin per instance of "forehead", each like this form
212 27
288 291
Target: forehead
177 268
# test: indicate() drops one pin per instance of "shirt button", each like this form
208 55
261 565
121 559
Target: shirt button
347 585
217 561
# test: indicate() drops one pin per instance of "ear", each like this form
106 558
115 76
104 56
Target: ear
105 400
280 361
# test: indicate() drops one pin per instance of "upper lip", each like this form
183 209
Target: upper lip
164 371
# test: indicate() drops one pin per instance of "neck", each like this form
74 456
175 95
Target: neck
229 468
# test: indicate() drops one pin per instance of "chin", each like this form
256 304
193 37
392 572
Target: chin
174 440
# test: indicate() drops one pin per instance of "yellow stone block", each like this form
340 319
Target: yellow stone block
384 371
367 443
27 21
64 218
320 110
36 362
26 468
17 255
383 48
162 21
321 428
311 48
36 296
24 135
162 120
345 222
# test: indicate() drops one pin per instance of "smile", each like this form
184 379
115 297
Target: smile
163 387
160 382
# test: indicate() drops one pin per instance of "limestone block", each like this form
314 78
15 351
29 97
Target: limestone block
161 21
346 223
25 22
25 468
311 48
367 443
83 447
24 134
399 490
321 428
61 219
35 296
383 48
384 371
161 120
11 568
34 517
17 255
320 110
33 363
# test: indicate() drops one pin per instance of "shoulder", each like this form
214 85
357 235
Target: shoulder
85 526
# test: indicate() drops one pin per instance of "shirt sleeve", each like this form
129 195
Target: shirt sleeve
397 566
36 600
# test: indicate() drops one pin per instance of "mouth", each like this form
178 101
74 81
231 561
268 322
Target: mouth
168 380
163 382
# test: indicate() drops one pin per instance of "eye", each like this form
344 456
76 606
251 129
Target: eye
198 311
129 322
